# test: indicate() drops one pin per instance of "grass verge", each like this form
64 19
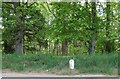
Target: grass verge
91 64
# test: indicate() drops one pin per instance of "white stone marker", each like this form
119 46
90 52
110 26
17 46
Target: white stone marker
71 64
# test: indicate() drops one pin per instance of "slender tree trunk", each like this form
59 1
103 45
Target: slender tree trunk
108 18
50 46
75 44
64 48
19 31
108 46
92 42
56 47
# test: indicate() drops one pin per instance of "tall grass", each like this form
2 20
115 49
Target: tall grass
102 64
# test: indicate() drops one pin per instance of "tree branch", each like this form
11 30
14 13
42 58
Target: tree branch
50 10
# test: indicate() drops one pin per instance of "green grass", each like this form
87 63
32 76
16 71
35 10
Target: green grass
99 64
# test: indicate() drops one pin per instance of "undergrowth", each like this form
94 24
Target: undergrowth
99 63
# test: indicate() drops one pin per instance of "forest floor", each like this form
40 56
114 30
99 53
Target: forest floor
7 73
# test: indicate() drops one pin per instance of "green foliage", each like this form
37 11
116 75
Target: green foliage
47 22
33 24
46 25
67 23
99 63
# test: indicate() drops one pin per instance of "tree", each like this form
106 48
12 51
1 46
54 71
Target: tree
20 27
108 46
8 33
92 42
19 20
60 27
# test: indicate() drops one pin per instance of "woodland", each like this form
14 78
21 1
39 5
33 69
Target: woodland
48 34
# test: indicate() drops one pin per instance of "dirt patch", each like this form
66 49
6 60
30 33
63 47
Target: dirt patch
64 71
8 73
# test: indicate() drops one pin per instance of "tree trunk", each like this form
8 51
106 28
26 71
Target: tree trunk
92 42
19 31
19 39
50 46
56 47
64 47
108 46
108 19
19 46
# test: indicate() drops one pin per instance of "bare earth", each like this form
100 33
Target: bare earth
42 74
